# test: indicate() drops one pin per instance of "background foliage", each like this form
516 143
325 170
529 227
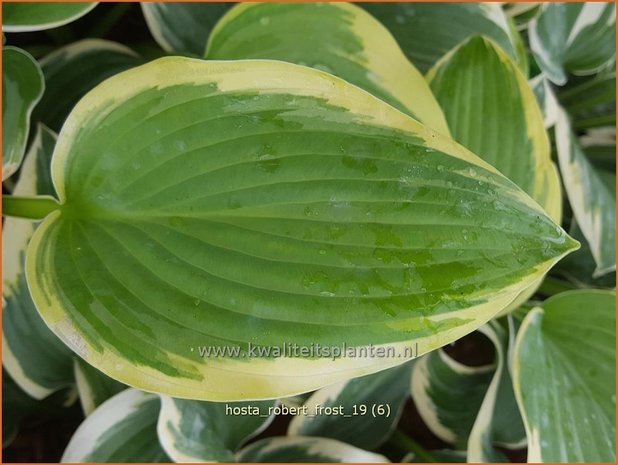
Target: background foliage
528 87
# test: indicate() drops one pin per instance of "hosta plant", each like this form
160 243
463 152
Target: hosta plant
344 213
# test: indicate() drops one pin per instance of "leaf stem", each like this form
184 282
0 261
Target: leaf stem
408 444
33 208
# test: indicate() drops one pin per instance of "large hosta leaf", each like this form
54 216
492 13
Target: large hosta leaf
22 87
426 31
257 203
73 70
339 38
440 456
34 357
564 371
37 16
593 201
182 27
577 37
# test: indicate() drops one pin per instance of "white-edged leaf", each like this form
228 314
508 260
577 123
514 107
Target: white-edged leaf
182 27
522 13
426 31
338 38
73 70
473 408
498 422
304 449
38 16
250 203
491 109
122 429
592 201
448 395
34 357
93 386
202 431
356 400
564 372
546 99
573 37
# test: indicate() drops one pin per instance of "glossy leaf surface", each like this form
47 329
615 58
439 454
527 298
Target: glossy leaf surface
593 201
217 204
491 110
